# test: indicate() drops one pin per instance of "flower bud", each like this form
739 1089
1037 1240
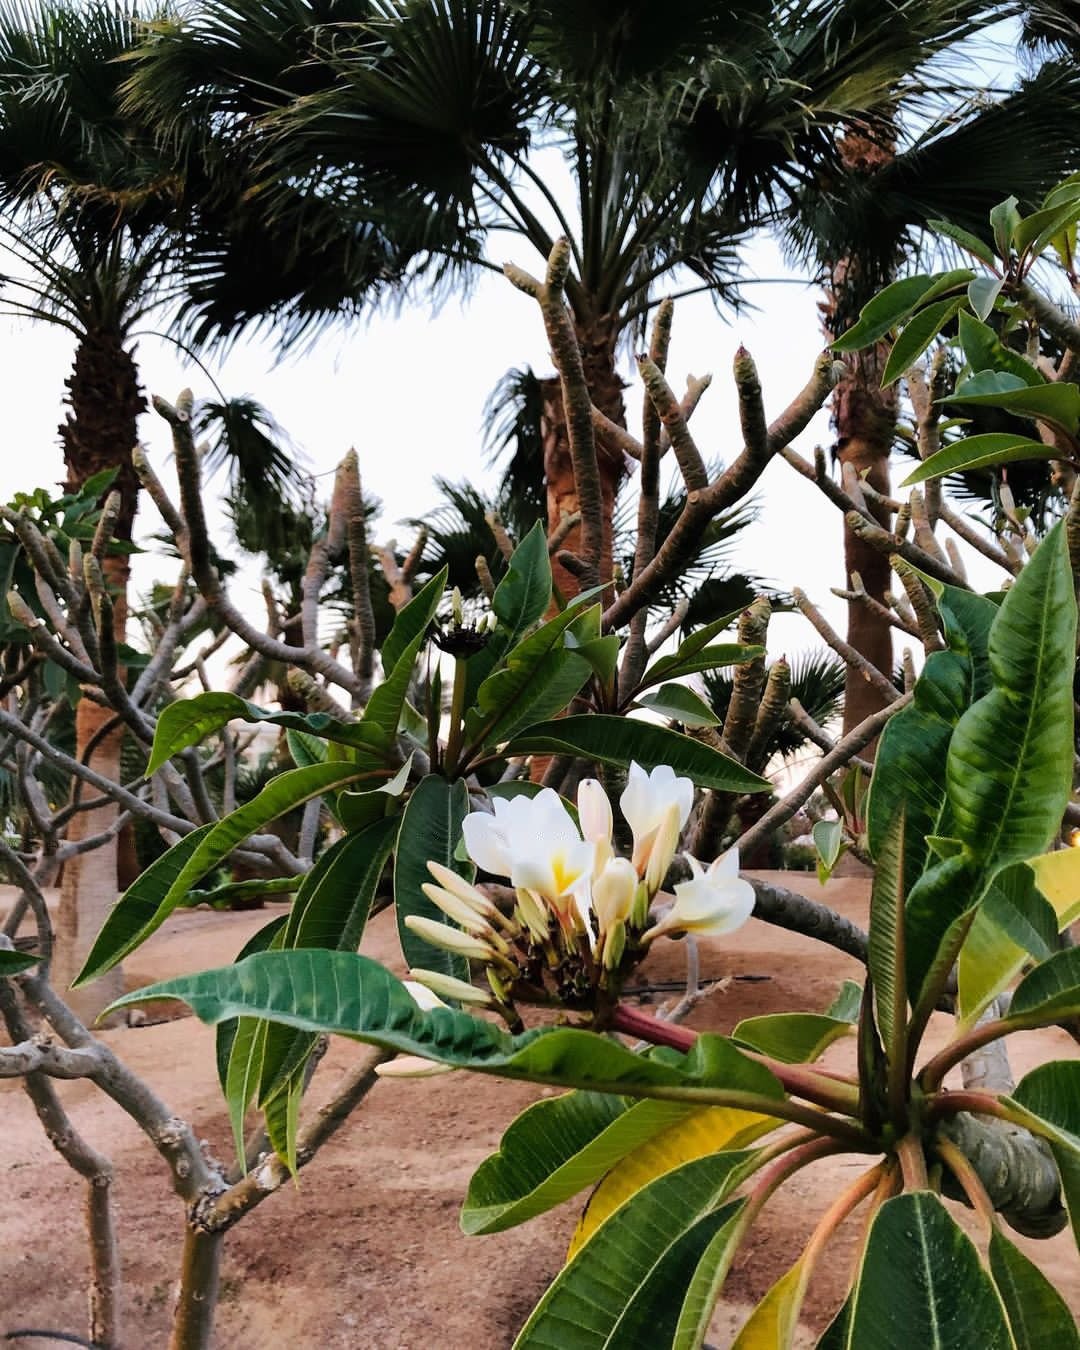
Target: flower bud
450 939
533 914
663 849
457 610
614 946
411 1066
594 811
450 880
613 893
446 986
424 998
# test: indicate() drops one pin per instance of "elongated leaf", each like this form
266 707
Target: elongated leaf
1034 232
1049 1102
917 335
191 720
348 994
430 830
707 1281
231 891
772 1324
1057 876
965 239
11 963
828 836
921 1284
979 452
305 748
523 595
145 906
583 1307
1038 1315
1014 924
690 1134
1055 403
885 950
701 658
357 810
412 620
984 350
792 1038
260 941
385 706
680 705
1050 992
554 1150
618 740
887 309
701 637
982 294
1004 219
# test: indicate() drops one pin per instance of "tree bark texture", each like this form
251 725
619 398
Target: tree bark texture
98 433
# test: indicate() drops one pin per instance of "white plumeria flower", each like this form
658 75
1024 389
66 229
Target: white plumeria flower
715 901
534 842
645 803
613 893
594 816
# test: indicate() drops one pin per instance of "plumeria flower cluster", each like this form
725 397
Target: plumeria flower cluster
582 915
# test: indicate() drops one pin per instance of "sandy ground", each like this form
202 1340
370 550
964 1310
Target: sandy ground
366 1250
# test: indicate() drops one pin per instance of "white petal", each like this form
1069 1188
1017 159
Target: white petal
726 866
411 1066
636 802
422 996
486 843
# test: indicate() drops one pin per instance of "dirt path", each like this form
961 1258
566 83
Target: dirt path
366 1250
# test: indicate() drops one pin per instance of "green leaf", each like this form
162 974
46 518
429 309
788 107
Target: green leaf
1034 232
885 946
882 314
979 452
1013 924
982 293
260 941
237 890
707 1281
555 1149
602 654
539 678
701 658
386 704
680 705
1038 1316
1050 992
618 740
1055 403
305 748
917 335
412 621
523 595
828 836
792 1038
430 829
357 810
773 1322
191 720
351 995
145 906
1048 1099
921 1284
1004 219
12 963
591 1302
984 350
965 239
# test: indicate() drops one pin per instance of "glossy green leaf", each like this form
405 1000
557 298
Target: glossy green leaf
191 720
921 1284
1004 219
387 702
1055 403
430 829
917 334
260 941
972 243
1050 992
357 810
707 1281
556 1149
305 748
412 620
540 676
885 945
982 294
145 906
984 350
979 452
348 994
1034 232
231 891
12 963
792 1038
602 654
1014 924
680 704
828 836
882 314
1048 1099
523 595
583 1307
618 740
709 657
1038 1316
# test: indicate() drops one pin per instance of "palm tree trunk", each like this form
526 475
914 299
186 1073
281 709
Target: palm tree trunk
98 433
597 342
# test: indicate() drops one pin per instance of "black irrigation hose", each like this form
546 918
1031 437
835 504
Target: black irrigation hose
35 1333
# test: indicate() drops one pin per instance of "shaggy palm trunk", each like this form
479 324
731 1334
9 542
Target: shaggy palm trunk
864 418
99 433
597 341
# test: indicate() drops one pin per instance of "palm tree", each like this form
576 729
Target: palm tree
681 126
856 226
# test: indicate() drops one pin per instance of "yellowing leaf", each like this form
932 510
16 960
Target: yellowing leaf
1057 875
712 1130
772 1324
